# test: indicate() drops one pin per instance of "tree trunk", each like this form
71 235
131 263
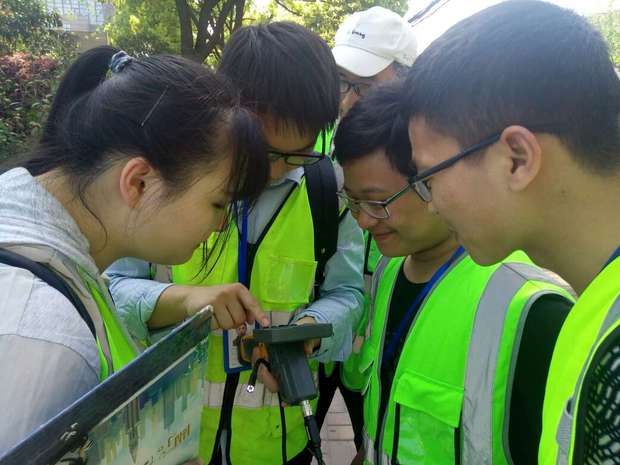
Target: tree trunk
187 37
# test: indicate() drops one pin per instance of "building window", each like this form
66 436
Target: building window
91 9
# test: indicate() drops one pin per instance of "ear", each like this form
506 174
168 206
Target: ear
525 156
134 178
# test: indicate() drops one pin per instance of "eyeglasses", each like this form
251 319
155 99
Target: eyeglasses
419 182
375 208
300 158
295 158
358 87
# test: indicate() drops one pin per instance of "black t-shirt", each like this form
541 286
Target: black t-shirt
405 293
540 331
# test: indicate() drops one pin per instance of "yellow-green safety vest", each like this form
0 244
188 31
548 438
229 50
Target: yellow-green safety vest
456 365
592 322
122 350
324 141
282 279
351 376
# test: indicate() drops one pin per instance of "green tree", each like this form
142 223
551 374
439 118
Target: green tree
25 26
324 16
207 24
145 27
196 29
34 51
609 25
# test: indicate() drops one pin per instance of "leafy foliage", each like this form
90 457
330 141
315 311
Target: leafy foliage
26 83
609 25
145 27
324 16
33 54
25 25
196 29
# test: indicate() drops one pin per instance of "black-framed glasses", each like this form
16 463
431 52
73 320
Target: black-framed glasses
295 158
377 209
419 182
358 87
300 158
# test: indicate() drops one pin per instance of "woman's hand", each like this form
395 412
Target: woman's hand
233 305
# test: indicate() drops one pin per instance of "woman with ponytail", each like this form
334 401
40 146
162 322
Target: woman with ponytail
139 157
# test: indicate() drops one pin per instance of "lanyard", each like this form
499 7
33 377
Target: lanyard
614 255
389 353
242 251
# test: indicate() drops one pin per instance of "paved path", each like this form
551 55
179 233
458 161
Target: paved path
337 435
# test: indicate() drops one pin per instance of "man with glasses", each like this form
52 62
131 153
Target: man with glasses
371 46
286 74
535 83
455 354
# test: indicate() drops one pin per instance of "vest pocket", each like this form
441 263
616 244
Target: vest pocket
283 283
429 412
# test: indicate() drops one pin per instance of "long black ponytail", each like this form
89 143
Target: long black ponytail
175 113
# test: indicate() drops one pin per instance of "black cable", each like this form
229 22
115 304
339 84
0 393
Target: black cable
314 436
254 373
283 424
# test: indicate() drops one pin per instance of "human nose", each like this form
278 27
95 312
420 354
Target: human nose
364 220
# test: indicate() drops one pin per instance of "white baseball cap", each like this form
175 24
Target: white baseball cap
367 42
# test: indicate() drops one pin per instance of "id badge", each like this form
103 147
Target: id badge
232 362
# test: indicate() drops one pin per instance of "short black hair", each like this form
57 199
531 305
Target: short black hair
376 122
285 71
522 62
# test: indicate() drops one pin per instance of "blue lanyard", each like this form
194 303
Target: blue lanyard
405 322
242 250
614 255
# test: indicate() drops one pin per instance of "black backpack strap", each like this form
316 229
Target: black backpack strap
322 187
50 277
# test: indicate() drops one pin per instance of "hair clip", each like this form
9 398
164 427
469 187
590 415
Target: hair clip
119 61
155 105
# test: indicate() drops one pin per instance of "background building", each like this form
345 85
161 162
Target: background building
84 18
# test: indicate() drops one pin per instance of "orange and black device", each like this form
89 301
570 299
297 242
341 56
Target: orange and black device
281 349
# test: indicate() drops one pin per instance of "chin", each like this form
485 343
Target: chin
175 258
389 250
485 258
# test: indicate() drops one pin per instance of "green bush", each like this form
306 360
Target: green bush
26 84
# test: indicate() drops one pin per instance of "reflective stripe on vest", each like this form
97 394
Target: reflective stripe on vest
282 280
261 397
114 345
352 375
433 402
122 349
484 348
567 424
596 312
369 451
565 434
